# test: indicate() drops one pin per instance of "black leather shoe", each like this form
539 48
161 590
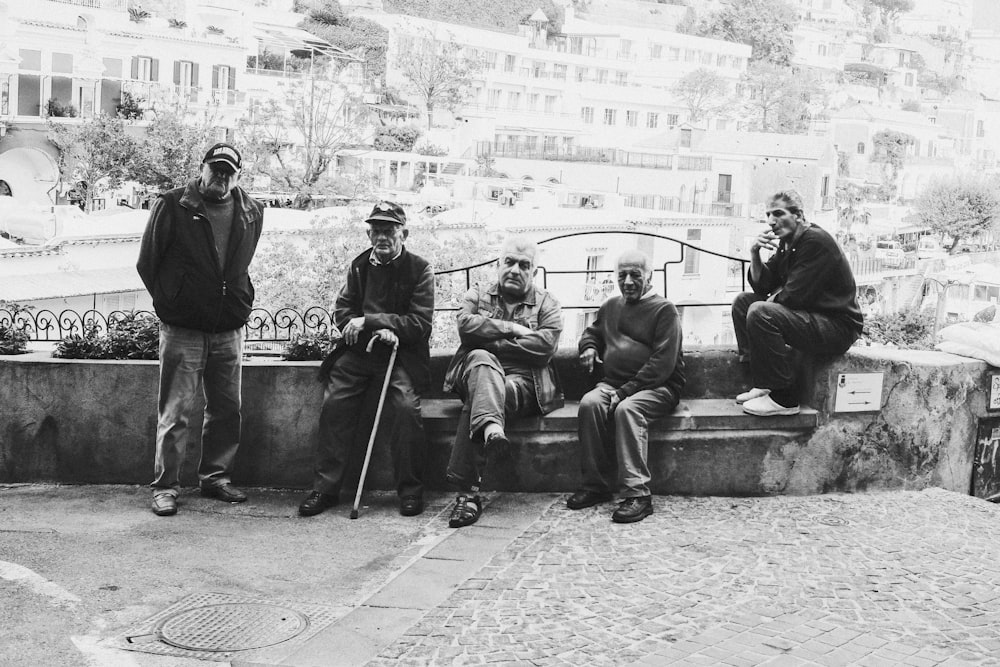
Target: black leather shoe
582 499
316 502
633 509
498 445
224 492
164 505
411 505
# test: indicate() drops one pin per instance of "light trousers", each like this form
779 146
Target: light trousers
189 357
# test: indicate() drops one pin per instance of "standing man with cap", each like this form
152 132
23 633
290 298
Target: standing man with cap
194 261
388 296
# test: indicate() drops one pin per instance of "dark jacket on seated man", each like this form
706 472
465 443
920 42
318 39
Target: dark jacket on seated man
811 273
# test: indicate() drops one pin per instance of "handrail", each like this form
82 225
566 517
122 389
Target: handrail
284 324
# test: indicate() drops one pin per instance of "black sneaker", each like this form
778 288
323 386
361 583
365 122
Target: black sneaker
633 509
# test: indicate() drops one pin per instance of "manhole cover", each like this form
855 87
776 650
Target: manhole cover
232 627
831 520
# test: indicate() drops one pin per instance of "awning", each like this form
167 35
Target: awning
296 39
70 283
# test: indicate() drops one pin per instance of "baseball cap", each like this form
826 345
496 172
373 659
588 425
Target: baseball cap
223 153
387 211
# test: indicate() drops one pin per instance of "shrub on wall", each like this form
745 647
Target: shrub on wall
909 330
14 337
310 347
134 336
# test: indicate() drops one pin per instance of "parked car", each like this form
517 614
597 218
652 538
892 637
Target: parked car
890 253
930 248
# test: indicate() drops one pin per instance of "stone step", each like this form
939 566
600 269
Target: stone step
682 462
691 415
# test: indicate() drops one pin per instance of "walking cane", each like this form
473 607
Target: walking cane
378 416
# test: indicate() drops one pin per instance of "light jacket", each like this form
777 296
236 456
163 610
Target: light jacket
483 325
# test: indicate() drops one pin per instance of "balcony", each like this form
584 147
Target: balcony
152 94
610 156
113 5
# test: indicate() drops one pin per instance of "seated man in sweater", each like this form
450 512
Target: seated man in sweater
509 331
638 337
804 298
387 300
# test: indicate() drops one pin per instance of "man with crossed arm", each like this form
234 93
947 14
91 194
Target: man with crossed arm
509 332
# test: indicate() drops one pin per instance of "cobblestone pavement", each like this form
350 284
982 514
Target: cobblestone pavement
870 579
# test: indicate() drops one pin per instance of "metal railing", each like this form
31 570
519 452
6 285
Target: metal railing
577 289
612 156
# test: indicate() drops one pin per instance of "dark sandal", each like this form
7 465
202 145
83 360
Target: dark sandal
466 512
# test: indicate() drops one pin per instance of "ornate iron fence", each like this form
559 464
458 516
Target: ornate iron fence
267 331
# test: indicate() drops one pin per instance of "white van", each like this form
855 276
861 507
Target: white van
890 253
929 248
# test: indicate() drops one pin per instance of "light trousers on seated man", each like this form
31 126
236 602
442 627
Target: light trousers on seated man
618 442
489 395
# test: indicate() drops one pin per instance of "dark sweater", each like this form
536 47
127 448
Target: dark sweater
398 295
813 275
640 344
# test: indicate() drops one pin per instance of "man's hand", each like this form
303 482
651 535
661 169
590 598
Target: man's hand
765 240
613 395
587 359
519 330
387 336
353 329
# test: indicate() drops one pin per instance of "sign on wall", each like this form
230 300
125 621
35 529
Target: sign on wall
858 392
994 392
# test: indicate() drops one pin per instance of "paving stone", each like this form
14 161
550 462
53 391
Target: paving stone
911 579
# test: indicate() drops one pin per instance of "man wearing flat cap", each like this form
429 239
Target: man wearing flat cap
194 258
387 300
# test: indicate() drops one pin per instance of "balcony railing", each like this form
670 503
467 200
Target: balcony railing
116 5
577 289
613 156
152 93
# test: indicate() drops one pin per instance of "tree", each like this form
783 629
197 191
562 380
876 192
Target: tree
436 71
703 91
960 207
352 34
97 154
288 276
891 9
170 154
889 150
777 99
293 140
766 25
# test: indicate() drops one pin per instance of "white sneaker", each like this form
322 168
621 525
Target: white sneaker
756 392
764 406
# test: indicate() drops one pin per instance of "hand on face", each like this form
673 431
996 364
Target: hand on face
784 220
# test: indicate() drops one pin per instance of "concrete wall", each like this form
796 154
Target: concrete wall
94 422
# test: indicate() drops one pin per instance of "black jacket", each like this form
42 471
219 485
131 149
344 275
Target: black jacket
811 273
405 304
178 261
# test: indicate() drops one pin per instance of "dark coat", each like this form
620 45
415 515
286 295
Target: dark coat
407 309
179 262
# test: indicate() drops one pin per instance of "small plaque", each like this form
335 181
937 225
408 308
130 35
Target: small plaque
858 392
994 392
